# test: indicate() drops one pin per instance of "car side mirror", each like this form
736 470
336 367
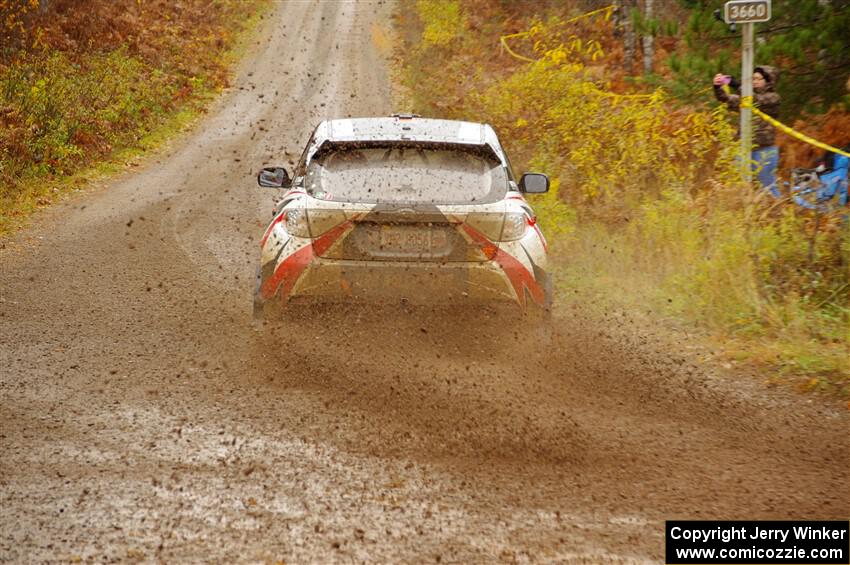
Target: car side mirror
274 177
534 183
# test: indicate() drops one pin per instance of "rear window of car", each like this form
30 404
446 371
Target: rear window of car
406 174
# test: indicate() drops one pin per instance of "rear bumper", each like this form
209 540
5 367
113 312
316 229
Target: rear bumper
416 283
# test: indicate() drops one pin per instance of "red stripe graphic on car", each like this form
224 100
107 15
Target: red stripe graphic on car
269 229
291 268
287 272
521 279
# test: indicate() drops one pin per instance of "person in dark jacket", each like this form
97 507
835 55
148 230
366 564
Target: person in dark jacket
765 155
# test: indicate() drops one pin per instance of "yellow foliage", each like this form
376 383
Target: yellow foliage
606 145
443 21
646 197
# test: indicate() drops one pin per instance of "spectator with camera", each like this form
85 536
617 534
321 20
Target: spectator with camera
765 155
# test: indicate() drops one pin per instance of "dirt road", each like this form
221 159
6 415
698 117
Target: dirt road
142 418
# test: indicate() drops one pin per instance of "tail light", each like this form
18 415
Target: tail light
499 227
296 224
301 222
516 224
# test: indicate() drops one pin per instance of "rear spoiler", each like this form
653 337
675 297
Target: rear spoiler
480 149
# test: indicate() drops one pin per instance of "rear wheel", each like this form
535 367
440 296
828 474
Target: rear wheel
541 316
277 313
540 323
265 311
548 293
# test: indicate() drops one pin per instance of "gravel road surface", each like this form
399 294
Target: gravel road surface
144 418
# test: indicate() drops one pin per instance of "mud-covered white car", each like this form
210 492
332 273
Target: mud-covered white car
406 209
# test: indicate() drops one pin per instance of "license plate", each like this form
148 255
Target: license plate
405 240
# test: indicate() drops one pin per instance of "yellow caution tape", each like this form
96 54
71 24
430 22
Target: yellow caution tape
608 11
503 40
747 102
511 52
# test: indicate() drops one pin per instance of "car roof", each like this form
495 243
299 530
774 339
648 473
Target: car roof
406 127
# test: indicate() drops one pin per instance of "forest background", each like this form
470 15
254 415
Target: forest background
646 212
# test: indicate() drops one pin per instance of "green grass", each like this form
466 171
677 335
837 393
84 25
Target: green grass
807 351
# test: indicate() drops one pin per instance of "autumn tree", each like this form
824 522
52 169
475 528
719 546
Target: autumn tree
808 40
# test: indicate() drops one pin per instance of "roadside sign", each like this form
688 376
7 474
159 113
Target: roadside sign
746 11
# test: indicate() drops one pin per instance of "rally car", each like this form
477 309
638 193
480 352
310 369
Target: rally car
406 209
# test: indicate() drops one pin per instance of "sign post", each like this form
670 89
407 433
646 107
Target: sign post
746 13
746 94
